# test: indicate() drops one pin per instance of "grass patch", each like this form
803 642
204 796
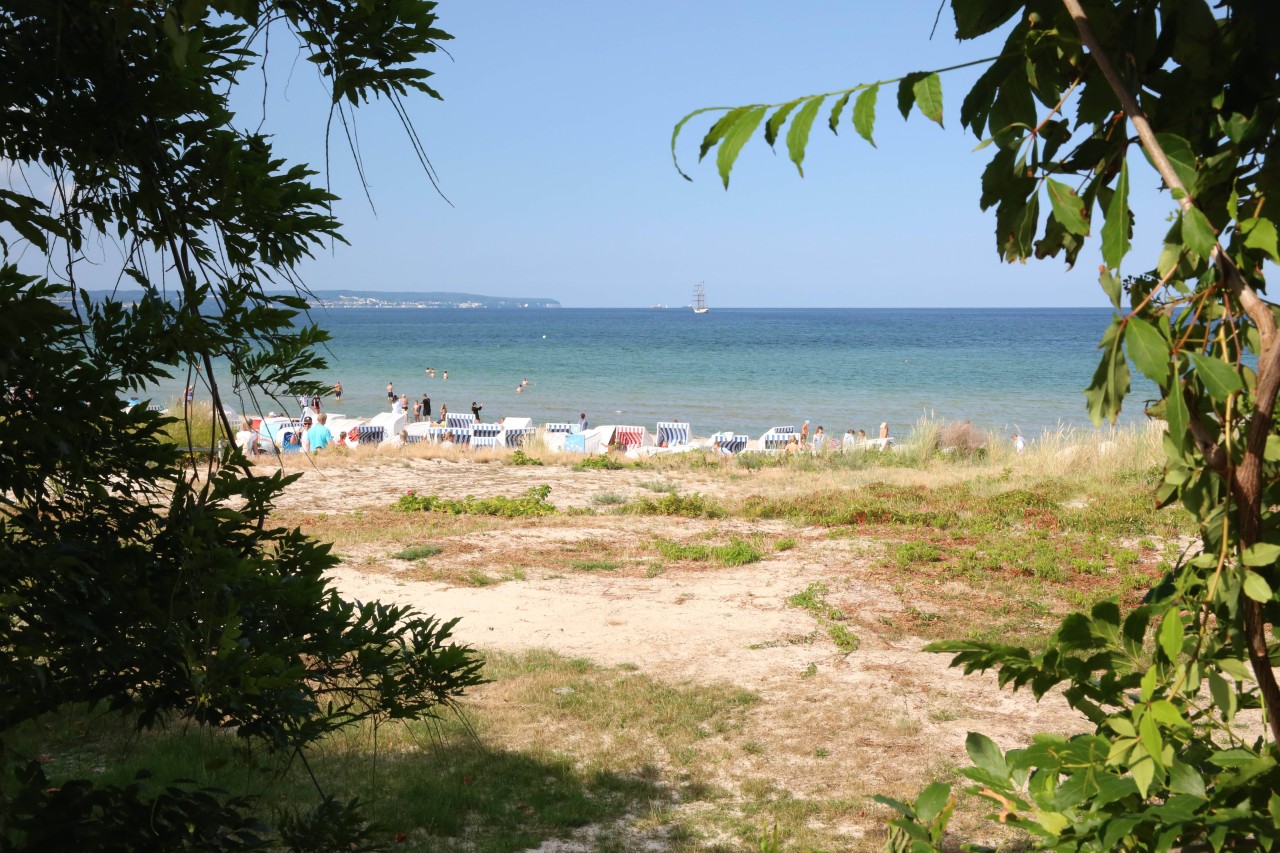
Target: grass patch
738 552
533 502
595 565
417 552
608 499
784 544
687 506
663 486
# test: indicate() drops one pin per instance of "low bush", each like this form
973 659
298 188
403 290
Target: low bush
738 552
687 506
599 462
532 502
519 457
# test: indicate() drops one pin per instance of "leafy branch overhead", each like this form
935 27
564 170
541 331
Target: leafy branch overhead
1077 90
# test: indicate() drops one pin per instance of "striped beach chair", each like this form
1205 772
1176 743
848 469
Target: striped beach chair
372 434
559 427
729 443
626 437
672 434
777 438
519 436
485 435
460 427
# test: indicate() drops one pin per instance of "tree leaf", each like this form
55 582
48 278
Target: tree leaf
735 138
717 131
1149 734
864 113
1170 635
1144 771
907 92
1177 414
1197 233
984 753
1181 158
1260 234
1149 350
1219 378
1111 285
928 95
1110 384
1184 779
834 121
1068 207
1256 587
675 135
1115 230
775 121
931 801
798 133
1260 554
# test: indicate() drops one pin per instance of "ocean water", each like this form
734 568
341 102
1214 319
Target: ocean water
743 370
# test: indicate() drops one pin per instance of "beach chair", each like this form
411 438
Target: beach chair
627 437
559 427
672 434
485 435
156 407
460 427
372 434
729 443
519 436
291 442
777 439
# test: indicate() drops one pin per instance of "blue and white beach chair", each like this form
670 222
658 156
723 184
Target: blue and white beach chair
460 427
777 439
672 434
485 435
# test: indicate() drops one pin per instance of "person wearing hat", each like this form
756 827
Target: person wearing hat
317 437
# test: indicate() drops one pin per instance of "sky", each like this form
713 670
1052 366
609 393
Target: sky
552 145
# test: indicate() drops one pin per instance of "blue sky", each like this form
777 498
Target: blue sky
553 145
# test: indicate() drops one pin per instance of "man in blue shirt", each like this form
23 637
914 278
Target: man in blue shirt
316 437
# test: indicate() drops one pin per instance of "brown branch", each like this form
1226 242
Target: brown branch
1246 484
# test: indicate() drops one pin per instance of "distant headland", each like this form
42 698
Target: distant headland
381 299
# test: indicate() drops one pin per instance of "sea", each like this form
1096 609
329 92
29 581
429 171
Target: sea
742 370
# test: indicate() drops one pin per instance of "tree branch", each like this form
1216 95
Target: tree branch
1246 485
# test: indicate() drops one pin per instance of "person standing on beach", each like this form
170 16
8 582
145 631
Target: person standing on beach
583 426
475 409
316 437
417 411
391 392
397 407
191 393
819 440
444 414
337 391
446 376
426 407
804 433
1018 444
884 430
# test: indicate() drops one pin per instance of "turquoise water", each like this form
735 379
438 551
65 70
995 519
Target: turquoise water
731 369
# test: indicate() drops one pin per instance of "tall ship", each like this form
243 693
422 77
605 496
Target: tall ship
700 298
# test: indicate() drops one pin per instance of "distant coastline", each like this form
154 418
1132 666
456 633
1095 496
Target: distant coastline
379 299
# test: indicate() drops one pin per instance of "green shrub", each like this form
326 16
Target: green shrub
686 506
532 502
599 462
519 457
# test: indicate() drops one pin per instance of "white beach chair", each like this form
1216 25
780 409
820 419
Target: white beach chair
627 437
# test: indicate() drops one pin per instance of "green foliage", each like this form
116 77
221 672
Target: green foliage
532 503
1167 763
519 457
417 552
738 552
129 585
599 462
813 599
692 505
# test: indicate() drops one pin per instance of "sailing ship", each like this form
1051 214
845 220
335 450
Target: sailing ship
700 298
